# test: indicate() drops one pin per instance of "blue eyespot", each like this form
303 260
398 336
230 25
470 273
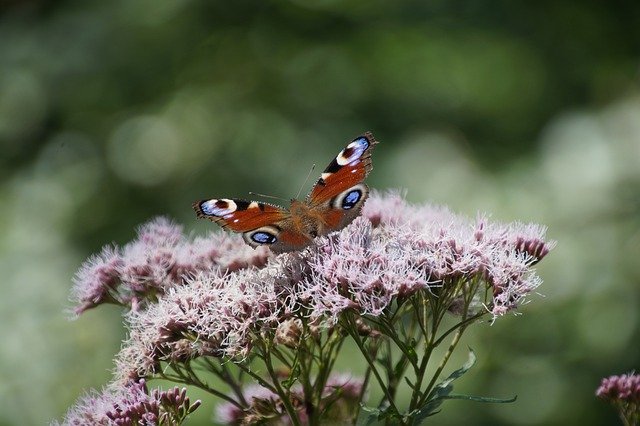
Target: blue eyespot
362 143
262 237
351 199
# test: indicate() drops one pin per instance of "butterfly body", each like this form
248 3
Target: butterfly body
334 201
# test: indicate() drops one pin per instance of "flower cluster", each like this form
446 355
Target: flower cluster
193 304
625 387
131 404
623 392
393 251
340 398
214 315
159 259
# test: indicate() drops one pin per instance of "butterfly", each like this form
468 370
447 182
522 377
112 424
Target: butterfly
334 201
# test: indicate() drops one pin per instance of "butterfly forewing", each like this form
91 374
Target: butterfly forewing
340 193
350 167
239 215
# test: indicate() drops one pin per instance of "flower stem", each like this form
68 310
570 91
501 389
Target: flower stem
284 396
353 331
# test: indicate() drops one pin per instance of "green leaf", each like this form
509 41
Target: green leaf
460 372
368 416
442 392
482 398
373 416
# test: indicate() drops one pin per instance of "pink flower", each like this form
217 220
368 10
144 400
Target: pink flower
394 250
131 404
623 392
159 259
625 387
213 315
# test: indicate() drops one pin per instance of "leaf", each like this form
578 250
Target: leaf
459 372
373 416
368 416
482 398
442 392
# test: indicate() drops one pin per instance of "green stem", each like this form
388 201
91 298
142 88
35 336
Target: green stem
443 363
465 323
284 396
353 331
460 328
363 390
257 378
438 313
182 378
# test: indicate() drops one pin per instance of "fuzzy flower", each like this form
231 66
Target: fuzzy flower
211 316
624 388
130 405
159 259
393 251
340 397
396 249
624 393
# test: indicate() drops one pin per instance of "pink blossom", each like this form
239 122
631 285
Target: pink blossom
212 315
625 387
131 404
159 259
393 250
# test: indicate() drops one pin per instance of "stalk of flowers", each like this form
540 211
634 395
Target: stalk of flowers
160 258
131 404
623 392
399 281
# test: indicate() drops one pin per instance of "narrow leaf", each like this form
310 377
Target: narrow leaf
482 398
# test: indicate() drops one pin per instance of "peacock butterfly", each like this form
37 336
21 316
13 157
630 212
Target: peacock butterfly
334 201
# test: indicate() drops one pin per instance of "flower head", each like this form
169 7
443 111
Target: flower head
213 315
131 404
623 392
393 251
625 387
159 259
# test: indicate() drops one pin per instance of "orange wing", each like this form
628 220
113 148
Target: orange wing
349 168
239 215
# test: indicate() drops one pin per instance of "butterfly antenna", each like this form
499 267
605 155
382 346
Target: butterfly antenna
267 196
305 181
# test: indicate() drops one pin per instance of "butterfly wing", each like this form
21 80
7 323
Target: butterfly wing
339 194
261 224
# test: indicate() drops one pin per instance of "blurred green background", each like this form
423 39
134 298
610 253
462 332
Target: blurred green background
114 112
